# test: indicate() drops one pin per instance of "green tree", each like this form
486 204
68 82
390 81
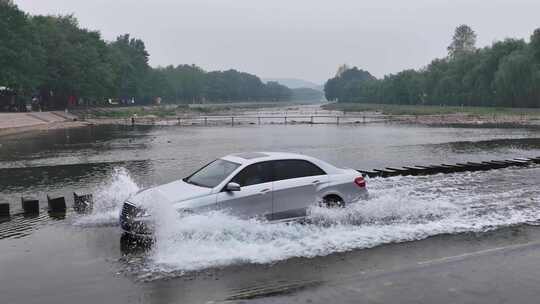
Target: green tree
535 45
76 60
463 41
516 81
129 61
507 73
22 58
348 85
274 91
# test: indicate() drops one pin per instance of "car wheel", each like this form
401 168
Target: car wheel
333 201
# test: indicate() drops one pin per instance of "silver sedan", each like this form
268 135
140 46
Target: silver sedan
270 185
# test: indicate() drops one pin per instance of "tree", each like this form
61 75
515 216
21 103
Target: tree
76 61
516 81
129 60
348 84
507 73
463 41
277 92
535 45
21 55
341 69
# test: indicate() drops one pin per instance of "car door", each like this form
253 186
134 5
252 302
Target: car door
254 199
295 187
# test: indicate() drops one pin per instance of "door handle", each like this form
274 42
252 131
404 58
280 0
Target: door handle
264 191
316 182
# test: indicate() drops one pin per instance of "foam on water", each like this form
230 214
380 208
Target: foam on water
108 199
399 209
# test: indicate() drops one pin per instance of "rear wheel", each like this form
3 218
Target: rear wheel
333 201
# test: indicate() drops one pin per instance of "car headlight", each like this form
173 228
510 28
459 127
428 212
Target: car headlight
142 214
184 212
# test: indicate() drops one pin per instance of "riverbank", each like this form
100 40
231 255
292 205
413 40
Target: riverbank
16 123
235 114
183 110
443 115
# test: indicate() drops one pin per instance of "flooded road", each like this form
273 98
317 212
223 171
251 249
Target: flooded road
408 227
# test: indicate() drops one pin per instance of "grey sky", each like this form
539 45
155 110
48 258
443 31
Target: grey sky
305 39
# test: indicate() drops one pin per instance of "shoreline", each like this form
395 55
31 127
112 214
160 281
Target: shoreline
11 131
301 115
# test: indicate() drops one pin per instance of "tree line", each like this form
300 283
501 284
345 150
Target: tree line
506 73
53 58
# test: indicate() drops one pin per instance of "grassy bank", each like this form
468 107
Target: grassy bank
133 111
175 110
390 109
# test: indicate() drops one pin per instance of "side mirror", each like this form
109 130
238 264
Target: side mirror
232 187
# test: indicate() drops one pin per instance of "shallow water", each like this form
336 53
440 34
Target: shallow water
114 162
59 162
399 209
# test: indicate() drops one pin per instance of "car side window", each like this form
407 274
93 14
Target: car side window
254 174
287 169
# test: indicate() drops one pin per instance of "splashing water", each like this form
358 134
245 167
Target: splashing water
399 209
108 199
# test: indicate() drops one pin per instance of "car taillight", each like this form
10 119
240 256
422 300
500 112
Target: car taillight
360 182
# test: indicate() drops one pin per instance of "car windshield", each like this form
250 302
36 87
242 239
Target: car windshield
212 174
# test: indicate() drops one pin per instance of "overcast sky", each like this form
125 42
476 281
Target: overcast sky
305 39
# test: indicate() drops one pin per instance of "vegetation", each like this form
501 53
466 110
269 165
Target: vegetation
53 58
505 74
176 110
395 109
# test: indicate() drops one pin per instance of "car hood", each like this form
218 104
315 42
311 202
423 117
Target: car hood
171 193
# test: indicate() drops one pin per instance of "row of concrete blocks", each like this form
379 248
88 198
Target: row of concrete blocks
444 168
81 204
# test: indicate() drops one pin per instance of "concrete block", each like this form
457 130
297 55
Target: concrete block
30 205
57 204
4 210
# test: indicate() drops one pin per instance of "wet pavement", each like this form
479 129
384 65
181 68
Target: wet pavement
459 238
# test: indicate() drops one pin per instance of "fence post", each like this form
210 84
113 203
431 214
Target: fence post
285 119
337 120
205 121
232 121
259 119
311 119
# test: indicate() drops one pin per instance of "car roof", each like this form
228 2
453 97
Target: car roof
255 157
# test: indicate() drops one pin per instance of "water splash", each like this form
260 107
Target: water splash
399 209
108 199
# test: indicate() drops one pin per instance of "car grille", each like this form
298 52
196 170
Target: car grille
128 222
129 211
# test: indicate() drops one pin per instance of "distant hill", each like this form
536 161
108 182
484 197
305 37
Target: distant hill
295 83
307 94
